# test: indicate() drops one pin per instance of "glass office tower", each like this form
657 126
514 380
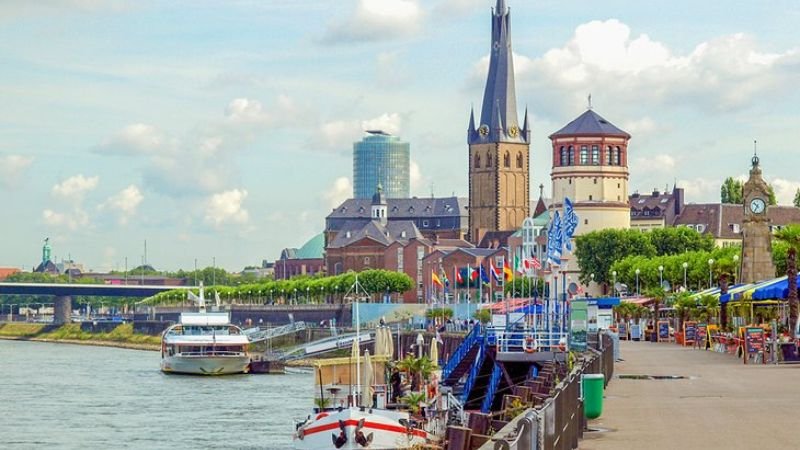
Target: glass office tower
381 158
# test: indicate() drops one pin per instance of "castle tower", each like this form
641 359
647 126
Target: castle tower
499 164
590 167
757 262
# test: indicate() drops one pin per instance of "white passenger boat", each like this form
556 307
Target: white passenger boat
204 343
359 428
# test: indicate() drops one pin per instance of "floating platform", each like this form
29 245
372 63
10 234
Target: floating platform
262 366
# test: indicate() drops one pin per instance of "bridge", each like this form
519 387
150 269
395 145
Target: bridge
63 293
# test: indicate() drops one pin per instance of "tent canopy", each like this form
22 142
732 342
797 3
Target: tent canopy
777 289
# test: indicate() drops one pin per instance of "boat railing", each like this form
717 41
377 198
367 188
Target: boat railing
212 353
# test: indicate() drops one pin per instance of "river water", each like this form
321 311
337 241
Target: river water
78 397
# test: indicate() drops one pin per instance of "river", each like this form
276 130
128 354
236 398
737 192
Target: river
77 397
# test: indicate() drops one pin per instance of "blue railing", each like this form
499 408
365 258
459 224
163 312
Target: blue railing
471 338
494 381
473 374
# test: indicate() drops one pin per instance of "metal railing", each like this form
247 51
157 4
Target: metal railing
491 390
469 340
558 423
530 340
258 334
473 374
209 353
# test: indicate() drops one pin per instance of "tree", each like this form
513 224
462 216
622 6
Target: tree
724 268
796 201
597 251
731 191
790 235
773 200
482 315
671 241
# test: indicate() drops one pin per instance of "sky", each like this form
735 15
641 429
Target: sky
222 130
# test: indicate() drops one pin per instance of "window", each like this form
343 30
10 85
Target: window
595 155
425 222
608 156
420 253
400 259
619 185
586 221
570 181
563 156
488 160
595 181
616 156
366 260
590 198
506 160
477 161
584 155
571 160
519 160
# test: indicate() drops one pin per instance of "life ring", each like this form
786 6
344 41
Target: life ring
529 345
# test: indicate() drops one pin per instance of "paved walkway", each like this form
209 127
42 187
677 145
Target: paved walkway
723 405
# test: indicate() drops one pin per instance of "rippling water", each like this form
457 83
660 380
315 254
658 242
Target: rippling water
71 396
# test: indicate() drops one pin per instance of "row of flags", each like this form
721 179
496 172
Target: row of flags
500 274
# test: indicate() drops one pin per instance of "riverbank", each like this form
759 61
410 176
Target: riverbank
120 337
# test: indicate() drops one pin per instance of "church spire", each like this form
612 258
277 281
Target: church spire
499 97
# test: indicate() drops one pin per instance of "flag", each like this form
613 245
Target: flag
484 275
459 278
569 223
518 265
436 280
445 280
507 273
554 240
473 274
495 273
535 263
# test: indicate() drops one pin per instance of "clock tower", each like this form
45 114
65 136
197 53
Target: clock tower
499 164
757 262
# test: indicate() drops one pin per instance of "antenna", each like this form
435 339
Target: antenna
589 101
755 147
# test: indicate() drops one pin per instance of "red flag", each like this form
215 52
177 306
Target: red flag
536 263
459 278
473 274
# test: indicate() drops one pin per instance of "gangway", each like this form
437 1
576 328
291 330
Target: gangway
257 334
344 341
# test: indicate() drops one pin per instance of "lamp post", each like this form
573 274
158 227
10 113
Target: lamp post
661 277
591 277
271 300
735 268
614 286
308 292
685 266
335 292
637 281
322 294
710 266
295 296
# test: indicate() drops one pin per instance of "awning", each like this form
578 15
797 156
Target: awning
638 300
777 289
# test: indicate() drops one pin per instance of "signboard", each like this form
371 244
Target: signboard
578 318
701 335
689 332
636 332
622 329
499 320
755 339
663 330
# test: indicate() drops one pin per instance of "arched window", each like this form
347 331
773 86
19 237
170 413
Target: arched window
616 155
477 161
488 160
584 155
506 160
608 156
595 155
519 160
563 161
571 161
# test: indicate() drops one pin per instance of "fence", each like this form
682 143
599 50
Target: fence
559 422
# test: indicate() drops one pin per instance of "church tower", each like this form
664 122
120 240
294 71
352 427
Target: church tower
757 262
499 150
590 167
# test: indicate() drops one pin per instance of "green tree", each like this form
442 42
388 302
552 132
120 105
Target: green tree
773 200
790 235
731 191
482 315
674 240
796 201
597 251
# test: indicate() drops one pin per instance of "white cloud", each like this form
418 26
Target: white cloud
653 164
341 190
341 134
125 203
785 190
12 170
375 20
724 73
227 208
72 221
416 179
136 139
75 187
701 190
389 123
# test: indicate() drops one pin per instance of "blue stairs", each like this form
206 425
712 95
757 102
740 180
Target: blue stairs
494 381
473 375
463 358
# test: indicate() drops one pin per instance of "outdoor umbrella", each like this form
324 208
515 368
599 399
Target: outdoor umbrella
355 355
434 351
389 343
379 341
366 392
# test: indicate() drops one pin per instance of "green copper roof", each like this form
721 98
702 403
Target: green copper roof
312 249
542 219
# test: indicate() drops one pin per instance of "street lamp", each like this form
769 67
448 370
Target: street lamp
710 265
336 293
661 276
685 266
322 294
637 281
295 296
591 276
735 268
308 291
614 286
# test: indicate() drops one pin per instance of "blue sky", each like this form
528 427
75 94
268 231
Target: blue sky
224 129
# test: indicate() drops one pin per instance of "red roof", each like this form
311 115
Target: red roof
5 272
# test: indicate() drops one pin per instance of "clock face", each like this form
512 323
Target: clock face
513 131
483 130
758 205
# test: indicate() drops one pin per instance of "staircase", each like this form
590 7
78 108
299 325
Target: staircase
463 358
494 382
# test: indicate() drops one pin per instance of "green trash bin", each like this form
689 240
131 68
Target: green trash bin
593 394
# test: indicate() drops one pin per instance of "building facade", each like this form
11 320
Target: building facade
655 210
306 260
499 150
381 159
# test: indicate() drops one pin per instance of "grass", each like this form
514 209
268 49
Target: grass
122 333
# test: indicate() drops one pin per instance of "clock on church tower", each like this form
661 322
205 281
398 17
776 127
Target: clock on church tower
757 262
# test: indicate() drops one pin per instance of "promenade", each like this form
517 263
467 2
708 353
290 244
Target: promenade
722 405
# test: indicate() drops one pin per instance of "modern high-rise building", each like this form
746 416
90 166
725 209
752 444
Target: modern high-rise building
499 150
381 159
